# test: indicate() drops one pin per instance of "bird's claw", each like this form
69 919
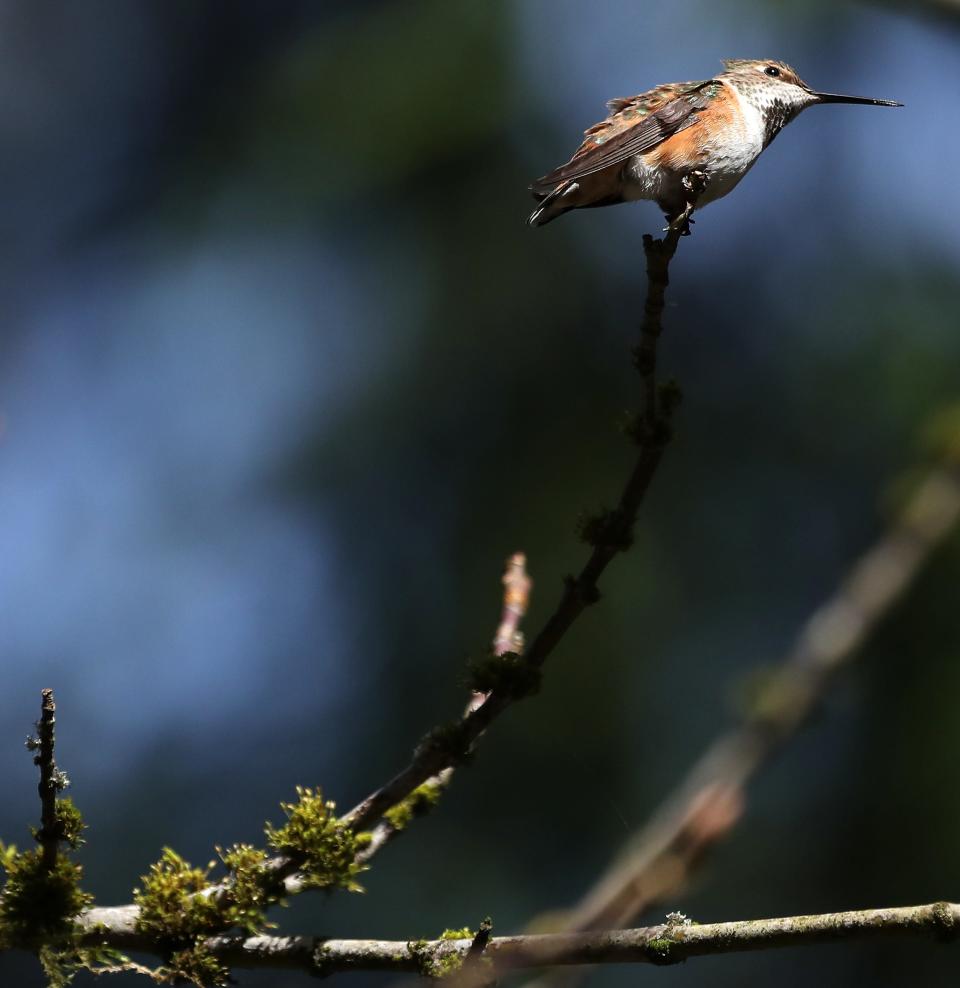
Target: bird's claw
694 183
681 223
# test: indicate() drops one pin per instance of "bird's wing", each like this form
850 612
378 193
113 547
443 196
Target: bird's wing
636 124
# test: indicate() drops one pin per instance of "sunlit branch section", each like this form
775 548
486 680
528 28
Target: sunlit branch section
670 943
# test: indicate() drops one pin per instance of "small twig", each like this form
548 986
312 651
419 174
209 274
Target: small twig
668 943
48 787
508 638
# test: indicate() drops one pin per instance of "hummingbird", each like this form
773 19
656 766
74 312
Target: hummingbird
682 144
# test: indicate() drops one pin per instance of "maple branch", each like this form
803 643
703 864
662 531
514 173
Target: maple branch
669 943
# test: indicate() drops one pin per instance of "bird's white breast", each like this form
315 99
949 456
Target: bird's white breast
733 149
729 154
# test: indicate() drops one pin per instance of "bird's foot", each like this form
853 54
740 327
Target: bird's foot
694 183
681 222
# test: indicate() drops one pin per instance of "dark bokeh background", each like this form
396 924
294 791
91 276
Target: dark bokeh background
284 378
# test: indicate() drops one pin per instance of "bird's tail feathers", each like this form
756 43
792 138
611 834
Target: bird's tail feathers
552 205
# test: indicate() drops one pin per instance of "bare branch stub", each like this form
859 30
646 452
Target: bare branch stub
47 787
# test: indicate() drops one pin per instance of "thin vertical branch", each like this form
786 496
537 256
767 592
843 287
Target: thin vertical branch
47 788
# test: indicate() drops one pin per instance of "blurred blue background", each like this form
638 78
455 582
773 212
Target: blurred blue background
284 377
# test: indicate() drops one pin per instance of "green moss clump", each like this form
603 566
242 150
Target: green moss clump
326 848
196 965
509 675
246 900
70 825
419 951
8 856
173 911
39 905
60 965
170 907
57 966
445 964
658 950
464 933
420 801
179 910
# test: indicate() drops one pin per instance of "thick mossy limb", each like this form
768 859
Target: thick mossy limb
174 911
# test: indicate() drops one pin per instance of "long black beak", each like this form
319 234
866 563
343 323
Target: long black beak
866 101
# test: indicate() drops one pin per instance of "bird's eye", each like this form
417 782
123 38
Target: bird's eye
772 70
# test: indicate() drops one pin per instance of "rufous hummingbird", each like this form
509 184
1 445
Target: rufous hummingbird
682 144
